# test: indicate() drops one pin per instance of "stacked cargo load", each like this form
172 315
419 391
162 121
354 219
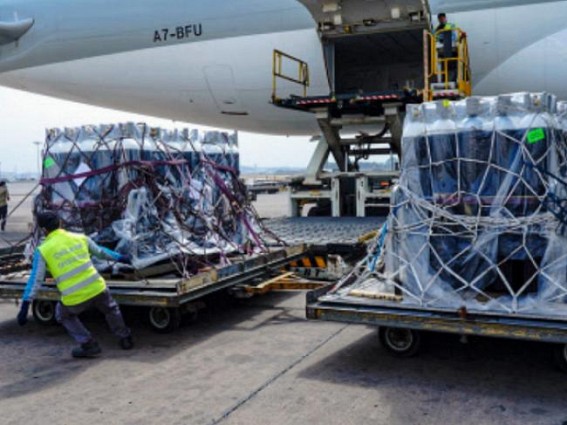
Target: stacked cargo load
152 194
478 218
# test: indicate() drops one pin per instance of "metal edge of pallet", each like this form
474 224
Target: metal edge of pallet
291 253
123 297
500 327
15 291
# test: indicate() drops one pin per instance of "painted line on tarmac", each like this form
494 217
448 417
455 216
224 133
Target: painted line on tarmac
274 378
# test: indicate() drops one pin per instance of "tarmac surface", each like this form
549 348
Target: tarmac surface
259 361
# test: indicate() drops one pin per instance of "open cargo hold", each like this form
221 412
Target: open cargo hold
476 241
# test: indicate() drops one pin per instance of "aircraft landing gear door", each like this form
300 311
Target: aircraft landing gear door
222 86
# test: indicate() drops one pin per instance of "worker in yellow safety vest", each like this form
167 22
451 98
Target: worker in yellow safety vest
446 34
445 29
67 257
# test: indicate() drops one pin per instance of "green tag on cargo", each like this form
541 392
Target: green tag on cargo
49 162
536 135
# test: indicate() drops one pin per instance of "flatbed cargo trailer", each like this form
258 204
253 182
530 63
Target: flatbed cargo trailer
400 324
165 298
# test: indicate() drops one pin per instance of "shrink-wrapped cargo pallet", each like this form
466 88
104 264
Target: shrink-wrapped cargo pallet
478 218
153 194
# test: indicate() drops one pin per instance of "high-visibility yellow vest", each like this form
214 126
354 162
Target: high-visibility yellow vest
448 27
68 260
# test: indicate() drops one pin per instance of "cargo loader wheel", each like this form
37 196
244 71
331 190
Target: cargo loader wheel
44 312
561 357
400 342
164 320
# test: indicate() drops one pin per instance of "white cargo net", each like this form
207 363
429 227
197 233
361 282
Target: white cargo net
478 217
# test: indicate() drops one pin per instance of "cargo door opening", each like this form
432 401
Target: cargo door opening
380 62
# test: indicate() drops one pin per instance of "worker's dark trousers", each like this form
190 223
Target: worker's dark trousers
448 52
68 316
3 215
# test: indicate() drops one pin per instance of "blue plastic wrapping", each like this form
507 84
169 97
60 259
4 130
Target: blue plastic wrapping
481 224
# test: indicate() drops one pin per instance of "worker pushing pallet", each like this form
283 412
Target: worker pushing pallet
166 299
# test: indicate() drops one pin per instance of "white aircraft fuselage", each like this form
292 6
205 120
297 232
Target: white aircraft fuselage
210 62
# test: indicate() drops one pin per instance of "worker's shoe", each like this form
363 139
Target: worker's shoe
126 343
88 349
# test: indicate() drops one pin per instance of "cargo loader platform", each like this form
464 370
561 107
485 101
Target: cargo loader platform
322 232
379 58
368 104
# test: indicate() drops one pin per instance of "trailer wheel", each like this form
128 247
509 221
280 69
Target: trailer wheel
561 357
400 342
44 312
164 320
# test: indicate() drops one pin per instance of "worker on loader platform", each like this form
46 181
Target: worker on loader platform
445 29
446 34
67 258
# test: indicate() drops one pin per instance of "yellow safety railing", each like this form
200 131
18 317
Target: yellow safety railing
278 72
438 69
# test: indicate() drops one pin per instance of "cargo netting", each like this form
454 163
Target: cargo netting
156 195
478 217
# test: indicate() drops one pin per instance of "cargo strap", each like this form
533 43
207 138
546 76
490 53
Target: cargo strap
110 168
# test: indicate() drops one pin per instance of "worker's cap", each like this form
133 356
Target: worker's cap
441 15
48 220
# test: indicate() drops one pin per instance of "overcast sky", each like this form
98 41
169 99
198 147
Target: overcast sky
24 118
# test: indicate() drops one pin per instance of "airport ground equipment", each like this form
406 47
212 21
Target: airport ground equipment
320 250
164 298
400 325
172 201
447 75
323 232
266 186
336 244
379 57
343 194
476 240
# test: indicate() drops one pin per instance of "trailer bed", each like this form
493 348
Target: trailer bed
166 299
172 292
394 314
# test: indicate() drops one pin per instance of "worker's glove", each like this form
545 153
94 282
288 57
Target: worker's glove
23 314
126 259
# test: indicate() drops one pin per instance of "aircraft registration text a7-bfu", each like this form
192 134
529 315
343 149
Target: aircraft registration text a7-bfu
210 62
178 33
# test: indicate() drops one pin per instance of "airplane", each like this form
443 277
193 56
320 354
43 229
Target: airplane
210 62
